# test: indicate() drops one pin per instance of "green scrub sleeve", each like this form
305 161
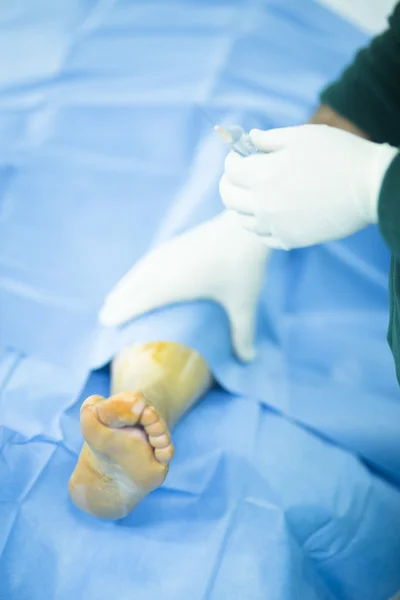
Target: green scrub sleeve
389 207
368 91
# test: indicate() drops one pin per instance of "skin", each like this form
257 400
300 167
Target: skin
128 445
325 115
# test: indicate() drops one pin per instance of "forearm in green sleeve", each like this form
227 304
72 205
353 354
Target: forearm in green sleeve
389 207
368 92
325 115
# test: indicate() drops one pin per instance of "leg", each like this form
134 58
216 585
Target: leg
128 448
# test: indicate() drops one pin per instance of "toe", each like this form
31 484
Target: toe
91 401
149 417
157 428
93 431
121 410
158 435
164 455
160 441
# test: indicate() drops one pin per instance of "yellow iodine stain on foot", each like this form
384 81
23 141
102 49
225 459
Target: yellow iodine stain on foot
158 350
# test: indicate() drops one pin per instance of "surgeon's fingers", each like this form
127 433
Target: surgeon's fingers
247 172
268 236
273 242
275 139
234 197
248 222
237 170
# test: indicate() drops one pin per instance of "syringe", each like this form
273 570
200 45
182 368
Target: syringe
236 139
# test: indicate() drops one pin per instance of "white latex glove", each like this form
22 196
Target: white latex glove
317 184
217 260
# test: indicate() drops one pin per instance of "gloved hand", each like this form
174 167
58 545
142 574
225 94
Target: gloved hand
317 184
216 260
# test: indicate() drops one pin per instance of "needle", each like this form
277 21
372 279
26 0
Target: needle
226 137
206 115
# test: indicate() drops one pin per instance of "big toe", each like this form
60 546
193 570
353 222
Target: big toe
121 410
94 432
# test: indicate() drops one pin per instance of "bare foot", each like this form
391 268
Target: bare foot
126 455
128 446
